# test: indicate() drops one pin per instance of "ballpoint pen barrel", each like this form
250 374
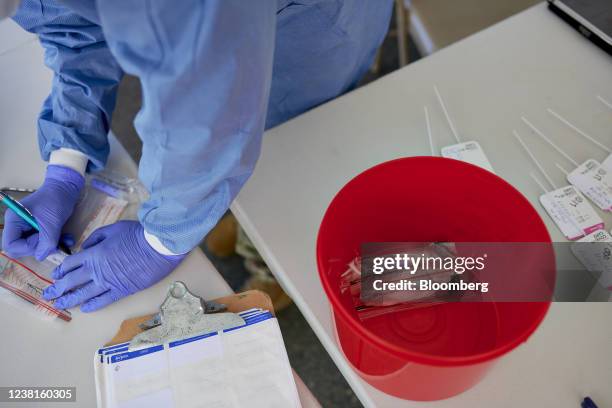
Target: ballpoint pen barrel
24 214
20 210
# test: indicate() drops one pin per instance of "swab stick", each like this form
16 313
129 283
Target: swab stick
538 182
562 169
604 101
448 118
550 142
429 135
579 131
534 159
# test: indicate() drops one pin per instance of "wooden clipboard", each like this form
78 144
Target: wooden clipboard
235 303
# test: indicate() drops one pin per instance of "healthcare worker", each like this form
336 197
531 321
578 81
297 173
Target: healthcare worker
214 75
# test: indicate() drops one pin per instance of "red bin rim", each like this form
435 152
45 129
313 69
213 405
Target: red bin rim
400 352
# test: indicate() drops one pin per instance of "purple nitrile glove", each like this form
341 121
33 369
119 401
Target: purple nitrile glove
116 261
52 204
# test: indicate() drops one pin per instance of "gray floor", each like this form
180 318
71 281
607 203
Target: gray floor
305 351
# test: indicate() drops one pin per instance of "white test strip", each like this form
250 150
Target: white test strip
534 159
469 152
607 163
550 142
448 118
566 206
604 101
579 131
590 177
562 169
429 134
539 183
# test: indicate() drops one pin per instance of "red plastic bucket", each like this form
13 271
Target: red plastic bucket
434 352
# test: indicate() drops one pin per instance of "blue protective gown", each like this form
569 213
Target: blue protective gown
214 74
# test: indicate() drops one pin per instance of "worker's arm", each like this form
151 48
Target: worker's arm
73 123
77 114
205 69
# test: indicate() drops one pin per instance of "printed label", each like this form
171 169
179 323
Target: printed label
469 152
572 213
593 181
595 252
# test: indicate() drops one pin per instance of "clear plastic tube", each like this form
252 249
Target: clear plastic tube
17 278
107 198
376 304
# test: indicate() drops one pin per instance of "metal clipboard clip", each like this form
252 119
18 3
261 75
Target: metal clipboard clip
183 315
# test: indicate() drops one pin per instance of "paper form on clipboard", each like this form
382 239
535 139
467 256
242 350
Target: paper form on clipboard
242 366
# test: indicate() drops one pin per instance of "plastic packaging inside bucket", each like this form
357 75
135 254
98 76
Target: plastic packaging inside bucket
434 352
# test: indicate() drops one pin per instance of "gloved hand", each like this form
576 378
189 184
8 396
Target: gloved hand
116 261
52 204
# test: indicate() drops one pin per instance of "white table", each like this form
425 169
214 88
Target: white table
12 37
519 67
434 24
35 353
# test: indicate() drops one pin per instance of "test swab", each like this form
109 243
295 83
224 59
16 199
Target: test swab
562 169
604 101
539 183
550 142
28 284
429 135
448 118
592 182
534 159
579 131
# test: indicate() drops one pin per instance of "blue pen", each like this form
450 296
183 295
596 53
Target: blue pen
588 403
26 215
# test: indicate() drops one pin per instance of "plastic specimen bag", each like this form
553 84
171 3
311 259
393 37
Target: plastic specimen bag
27 285
370 304
106 198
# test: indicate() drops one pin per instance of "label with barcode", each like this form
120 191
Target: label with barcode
469 152
595 252
593 181
597 236
572 213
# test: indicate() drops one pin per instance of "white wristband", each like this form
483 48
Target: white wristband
157 245
70 158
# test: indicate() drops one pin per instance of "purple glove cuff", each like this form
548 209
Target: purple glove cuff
65 175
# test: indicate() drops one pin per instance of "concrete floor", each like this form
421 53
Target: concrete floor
305 351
